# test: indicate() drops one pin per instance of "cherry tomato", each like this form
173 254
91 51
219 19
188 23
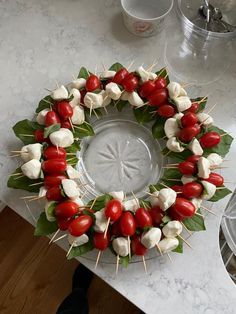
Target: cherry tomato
158 97
82 94
80 225
66 209
115 229
127 224
157 214
52 152
65 110
92 83
120 76
187 168
39 136
160 83
166 111
189 119
210 139
66 124
52 118
194 107
183 207
54 166
100 241
54 194
192 189
113 210
143 218
193 158
146 88
188 133
174 214
215 179
63 224
130 83
53 180
137 247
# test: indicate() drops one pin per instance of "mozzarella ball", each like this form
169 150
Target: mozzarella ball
135 100
100 221
154 200
72 172
31 151
76 99
209 190
60 93
121 246
119 195
41 116
125 96
182 92
42 191
131 205
78 116
107 74
174 89
32 169
106 98
172 229
195 147
166 198
197 202
187 179
113 91
205 119
78 201
93 101
49 211
171 127
167 245
77 241
178 116
182 103
203 165
78 83
214 159
173 145
62 138
70 188
146 75
150 238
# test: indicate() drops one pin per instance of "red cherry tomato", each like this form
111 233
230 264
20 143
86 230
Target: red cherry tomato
130 83
127 224
193 158
39 136
66 209
178 188
174 214
52 118
92 83
166 111
146 88
65 110
82 94
215 179
66 124
52 152
158 97
189 119
54 166
120 76
187 168
100 241
183 207
194 107
137 247
113 210
63 224
80 225
143 218
157 214
53 180
210 139
192 189
188 133
160 83
115 229
54 194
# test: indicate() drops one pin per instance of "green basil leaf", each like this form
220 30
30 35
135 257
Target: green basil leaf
25 129
176 156
80 250
83 130
202 104
163 73
23 183
155 187
45 103
220 193
179 248
166 219
50 129
73 148
100 202
116 67
158 128
124 260
144 114
121 105
45 227
83 73
195 223
171 174
145 204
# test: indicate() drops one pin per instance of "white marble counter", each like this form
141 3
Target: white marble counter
44 41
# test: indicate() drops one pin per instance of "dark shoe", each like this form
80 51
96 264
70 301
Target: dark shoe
82 278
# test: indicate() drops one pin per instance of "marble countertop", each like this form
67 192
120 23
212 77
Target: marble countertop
44 42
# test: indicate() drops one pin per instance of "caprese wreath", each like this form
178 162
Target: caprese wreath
127 227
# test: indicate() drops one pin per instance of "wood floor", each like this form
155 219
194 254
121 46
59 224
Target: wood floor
35 277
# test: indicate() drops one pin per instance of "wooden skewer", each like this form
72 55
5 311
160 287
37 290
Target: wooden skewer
208 210
117 263
70 249
169 257
151 194
27 197
159 249
71 124
29 135
97 260
200 215
167 153
173 180
188 244
105 109
19 177
94 111
16 174
144 264
129 247
164 69
54 236
103 66
93 203
130 65
62 237
149 69
136 199
107 226
170 167
38 183
37 198
188 231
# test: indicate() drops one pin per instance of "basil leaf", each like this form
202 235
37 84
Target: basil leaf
195 223
155 187
100 202
219 194
144 114
176 156
172 174
163 73
50 129
25 129
158 128
145 204
45 103
83 130
166 219
23 183
202 104
124 260
45 227
116 67
80 250
179 248
73 148
83 73
121 104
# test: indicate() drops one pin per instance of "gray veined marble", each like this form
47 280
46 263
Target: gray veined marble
44 41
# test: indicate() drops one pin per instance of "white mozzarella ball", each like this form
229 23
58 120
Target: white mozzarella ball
182 92
203 165
171 127
187 179
167 198
150 238
118 195
173 145
215 159
93 100
60 93
41 116
72 172
209 190
70 188
31 151
78 116
174 89
78 201
77 241
182 103
107 74
49 211
172 229
106 98
121 246
146 75
178 116
42 191
197 202
100 221
62 138
131 205
205 119
135 100
77 97
32 169
195 147
154 200
125 96
78 83
113 91
167 245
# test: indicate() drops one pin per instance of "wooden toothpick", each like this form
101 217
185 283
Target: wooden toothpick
70 249
117 263
54 236
97 260
107 226
188 244
144 264
61 237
